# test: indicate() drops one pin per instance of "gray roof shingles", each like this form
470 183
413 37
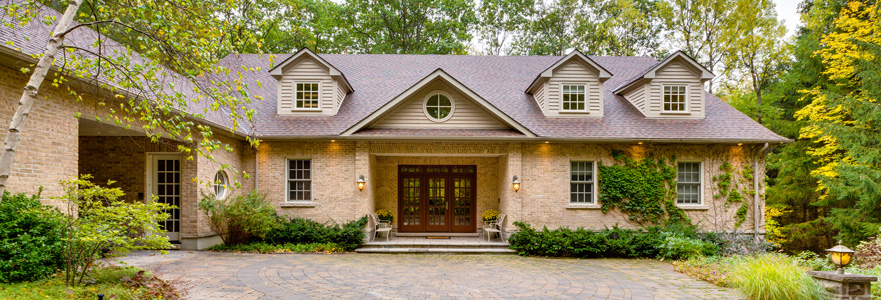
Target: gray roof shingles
501 80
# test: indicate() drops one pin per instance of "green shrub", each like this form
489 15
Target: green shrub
775 277
649 242
713 269
263 247
305 231
239 219
30 238
678 246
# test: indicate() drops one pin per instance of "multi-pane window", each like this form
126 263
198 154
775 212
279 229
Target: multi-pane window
581 181
438 107
688 186
674 98
307 95
299 180
573 97
220 184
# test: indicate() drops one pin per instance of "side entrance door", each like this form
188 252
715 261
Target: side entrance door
437 198
164 183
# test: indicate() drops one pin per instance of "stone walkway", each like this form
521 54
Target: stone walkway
243 276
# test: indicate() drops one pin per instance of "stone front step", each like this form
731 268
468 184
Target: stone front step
445 250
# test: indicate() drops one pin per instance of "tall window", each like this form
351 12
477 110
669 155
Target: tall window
573 97
674 98
220 184
688 186
581 181
299 180
307 95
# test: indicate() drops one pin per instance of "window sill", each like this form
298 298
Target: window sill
577 112
692 207
306 110
675 113
298 204
584 206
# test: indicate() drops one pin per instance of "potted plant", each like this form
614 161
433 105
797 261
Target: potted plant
490 215
385 215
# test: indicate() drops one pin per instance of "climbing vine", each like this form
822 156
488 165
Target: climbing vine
733 191
640 189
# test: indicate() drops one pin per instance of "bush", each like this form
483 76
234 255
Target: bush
305 231
650 242
775 276
262 247
30 238
240 219
868 253
713 269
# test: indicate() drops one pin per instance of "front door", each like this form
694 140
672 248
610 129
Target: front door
165 186
436 198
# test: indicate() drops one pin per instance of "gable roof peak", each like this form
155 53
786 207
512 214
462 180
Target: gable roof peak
277 71
549 72
649 73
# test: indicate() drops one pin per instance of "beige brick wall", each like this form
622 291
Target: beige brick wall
543 170
236 164
122 159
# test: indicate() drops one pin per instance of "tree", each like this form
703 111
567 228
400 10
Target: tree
409 27
499 20
162 74
757 47
845 123
702 29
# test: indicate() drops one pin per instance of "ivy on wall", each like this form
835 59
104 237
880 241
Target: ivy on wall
733 191
640 189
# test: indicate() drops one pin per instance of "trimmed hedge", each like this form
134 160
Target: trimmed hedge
651 242
305 231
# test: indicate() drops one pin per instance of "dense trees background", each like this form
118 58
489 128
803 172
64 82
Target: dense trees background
820 87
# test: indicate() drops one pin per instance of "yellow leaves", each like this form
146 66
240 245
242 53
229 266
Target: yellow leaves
857 22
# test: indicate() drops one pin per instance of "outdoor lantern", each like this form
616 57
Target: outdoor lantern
516 183
840 256
360 182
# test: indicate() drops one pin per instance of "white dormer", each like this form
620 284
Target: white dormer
672 88
572 87
309 85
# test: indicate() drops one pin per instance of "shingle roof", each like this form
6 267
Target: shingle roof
377 78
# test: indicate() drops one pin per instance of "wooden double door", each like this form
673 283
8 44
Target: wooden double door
437 198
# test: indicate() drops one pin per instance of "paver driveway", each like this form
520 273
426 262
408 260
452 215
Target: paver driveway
243 276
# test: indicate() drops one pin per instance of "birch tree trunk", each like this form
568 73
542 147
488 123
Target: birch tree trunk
31 91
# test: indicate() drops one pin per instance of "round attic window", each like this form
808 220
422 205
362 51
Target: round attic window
438 107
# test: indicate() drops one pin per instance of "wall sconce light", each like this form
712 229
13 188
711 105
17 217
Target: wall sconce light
840 256
740 144
516 183
361 182
639 143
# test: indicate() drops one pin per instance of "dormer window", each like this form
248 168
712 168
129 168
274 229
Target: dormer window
674 98
573 97
306 96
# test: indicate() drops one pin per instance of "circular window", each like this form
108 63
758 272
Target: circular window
438 107
220 184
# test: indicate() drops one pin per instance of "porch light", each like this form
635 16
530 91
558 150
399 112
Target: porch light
740 144
360 182
516 183
639 143
840 256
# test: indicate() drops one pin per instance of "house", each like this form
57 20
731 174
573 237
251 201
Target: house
437 139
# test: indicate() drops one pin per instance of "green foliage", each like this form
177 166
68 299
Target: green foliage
262 247
98 220
30 238
775 276
123 283
740 215
651 242
641 189
713 269
868 253
305 231
239 219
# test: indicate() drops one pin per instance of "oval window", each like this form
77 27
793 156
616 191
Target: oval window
438 107
220 184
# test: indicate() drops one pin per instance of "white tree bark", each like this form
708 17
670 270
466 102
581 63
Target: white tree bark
31 90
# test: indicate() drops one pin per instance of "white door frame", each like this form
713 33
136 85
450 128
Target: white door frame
151 184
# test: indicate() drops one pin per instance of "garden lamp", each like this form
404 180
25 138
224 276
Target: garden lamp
840 256
360 182
516 183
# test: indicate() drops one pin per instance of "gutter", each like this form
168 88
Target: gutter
756 198
520 139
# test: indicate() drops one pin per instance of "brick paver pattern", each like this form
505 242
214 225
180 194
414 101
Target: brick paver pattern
244 276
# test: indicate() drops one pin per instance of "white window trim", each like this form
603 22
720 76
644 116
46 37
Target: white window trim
226 189
686 111
586 98
287 185
701 195
595 195
294 106
425 106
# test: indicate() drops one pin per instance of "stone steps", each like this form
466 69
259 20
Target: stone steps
402 250
452 246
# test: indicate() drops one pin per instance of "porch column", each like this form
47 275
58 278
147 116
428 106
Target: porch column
511 202
364 163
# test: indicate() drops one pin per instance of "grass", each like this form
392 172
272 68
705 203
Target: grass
103 280
759 277
262 247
